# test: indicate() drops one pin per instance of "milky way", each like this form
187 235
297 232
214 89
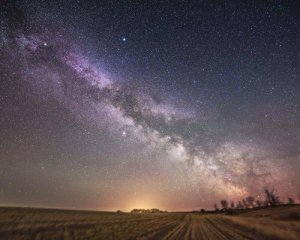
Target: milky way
103 110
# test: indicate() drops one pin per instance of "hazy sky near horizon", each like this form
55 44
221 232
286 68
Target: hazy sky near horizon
139 104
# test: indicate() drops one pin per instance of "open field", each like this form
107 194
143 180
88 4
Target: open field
27 223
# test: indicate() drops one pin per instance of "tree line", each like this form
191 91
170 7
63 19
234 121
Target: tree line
271 199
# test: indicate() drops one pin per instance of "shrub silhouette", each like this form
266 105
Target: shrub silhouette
291 201
229 211
258 203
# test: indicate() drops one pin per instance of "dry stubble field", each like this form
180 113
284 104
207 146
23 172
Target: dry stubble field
27 223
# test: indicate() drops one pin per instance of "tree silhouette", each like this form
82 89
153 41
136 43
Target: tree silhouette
232 204
271 198
224 204
245 203
239 205
250 201
216 207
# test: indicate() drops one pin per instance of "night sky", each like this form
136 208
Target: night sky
142 104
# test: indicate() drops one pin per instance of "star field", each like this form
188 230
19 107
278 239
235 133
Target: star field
118 105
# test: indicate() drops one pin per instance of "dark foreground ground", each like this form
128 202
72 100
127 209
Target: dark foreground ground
27 223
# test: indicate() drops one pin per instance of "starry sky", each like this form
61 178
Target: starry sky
137 104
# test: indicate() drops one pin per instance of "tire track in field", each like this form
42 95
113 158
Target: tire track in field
228 231
235 231
181 230
158 229
202 228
